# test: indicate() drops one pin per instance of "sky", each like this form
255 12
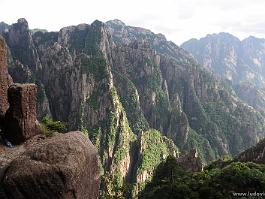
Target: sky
178 20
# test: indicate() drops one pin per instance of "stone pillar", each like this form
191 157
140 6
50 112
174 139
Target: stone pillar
191 162
20 122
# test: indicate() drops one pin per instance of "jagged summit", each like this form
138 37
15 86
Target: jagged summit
22 21
253 42
116 22
240 62
225 36
3 27
221 35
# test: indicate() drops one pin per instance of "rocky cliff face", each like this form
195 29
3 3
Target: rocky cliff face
76 72
3 27
176 96
254 154
21 45
23 61
4 78
137 96
190 162
240 62
61 166
237 61
252 95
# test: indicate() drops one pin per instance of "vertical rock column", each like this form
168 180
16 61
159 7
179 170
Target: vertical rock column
191 162
20 122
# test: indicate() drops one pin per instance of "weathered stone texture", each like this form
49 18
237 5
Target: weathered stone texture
62 167
254 154
20 122
191 161
4 80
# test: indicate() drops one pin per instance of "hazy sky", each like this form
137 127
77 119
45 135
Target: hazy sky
179 20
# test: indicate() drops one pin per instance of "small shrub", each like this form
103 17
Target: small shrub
52 125
46 131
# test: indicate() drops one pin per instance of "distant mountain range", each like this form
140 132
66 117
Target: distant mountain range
139 97
238 61
242 63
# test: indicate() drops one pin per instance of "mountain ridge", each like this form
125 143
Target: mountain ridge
241 63
125 88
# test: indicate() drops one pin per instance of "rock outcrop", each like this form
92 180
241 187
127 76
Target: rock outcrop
153 148
62 167
4 79
254 154
20 122
3 27
19 39
190 162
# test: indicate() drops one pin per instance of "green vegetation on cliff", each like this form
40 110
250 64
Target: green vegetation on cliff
95 66
200 143
86 39
53 125
153 149
130 101
171 181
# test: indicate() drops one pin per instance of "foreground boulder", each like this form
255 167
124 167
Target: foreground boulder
64 166
20 122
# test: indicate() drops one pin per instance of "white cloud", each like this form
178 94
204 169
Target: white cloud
179 20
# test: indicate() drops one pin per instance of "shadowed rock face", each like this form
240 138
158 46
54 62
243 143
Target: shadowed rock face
20 40
62 167
20 122
254 154
191 161
4 80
